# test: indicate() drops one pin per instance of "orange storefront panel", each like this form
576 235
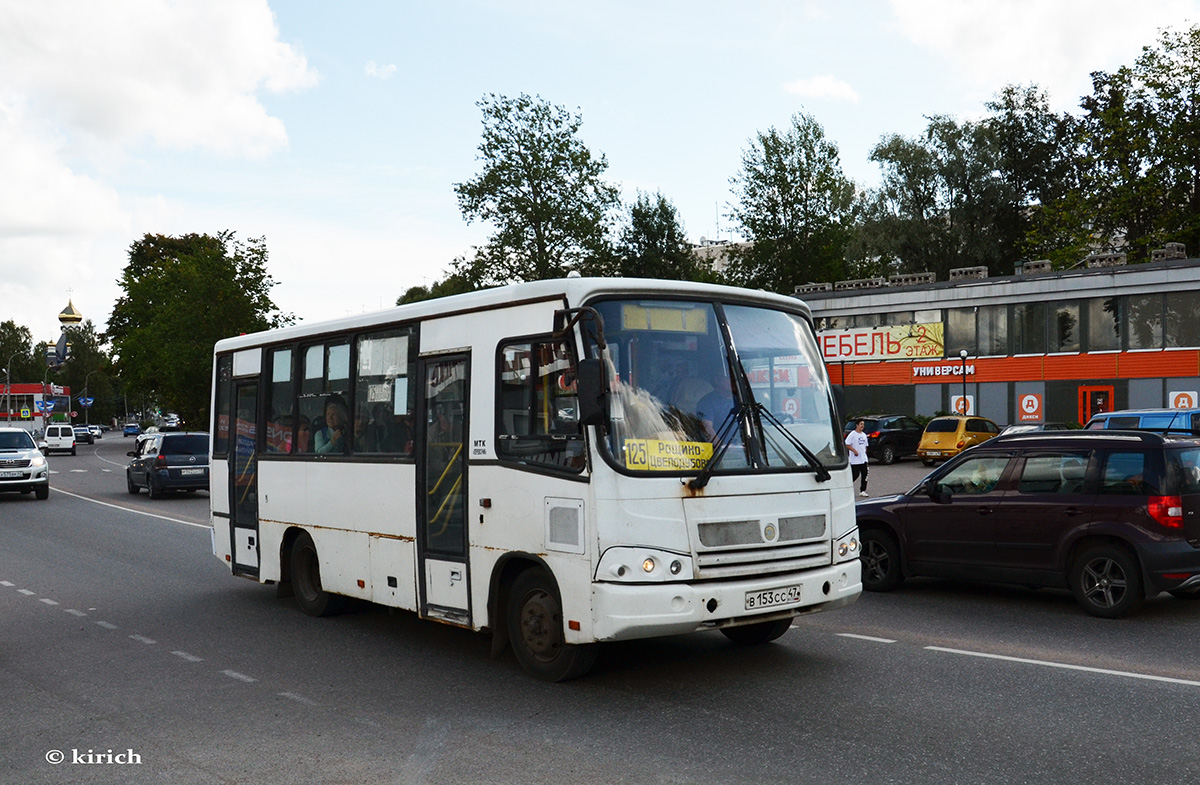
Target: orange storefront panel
1079 366
1153 365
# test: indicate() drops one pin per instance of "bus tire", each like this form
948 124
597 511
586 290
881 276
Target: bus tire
757 634
535 630
306 580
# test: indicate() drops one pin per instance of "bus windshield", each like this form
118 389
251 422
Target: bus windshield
694 382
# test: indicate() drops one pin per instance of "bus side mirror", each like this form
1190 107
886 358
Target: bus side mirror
593 397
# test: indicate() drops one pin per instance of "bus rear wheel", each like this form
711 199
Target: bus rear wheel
306 580
535 629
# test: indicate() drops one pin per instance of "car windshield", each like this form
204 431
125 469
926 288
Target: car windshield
942 426
191 444
16 440
682 395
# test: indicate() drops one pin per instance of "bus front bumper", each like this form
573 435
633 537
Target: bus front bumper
646 610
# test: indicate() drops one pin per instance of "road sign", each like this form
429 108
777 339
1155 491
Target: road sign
25 413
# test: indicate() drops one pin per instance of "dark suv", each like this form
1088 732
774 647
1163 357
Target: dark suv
1112 515
889 436
168 461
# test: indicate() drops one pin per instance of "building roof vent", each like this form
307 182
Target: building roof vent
806 288
1105 260
962 273
1036 266
911 279
1171 251
861 283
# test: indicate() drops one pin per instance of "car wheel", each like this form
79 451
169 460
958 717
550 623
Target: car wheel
881 568
887 454
756 634
42 493
535 629
928 461
306 581
153 488
1107 581
133 488
72 450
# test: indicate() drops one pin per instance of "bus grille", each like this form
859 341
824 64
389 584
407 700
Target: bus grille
736 548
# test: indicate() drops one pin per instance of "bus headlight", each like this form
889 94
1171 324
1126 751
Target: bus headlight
846 547
643 565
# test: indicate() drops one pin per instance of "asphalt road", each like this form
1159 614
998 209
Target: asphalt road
122 632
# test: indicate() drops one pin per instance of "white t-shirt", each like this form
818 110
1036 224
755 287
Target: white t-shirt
858 441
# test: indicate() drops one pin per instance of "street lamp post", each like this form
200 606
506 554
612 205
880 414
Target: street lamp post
966 409
87 407
8 388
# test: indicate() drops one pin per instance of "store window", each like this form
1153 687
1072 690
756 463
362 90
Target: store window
1183 319
1103 324
1145 320
1029 328
1064 328
992 326
960 331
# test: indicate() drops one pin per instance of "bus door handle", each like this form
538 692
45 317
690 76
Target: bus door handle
455 575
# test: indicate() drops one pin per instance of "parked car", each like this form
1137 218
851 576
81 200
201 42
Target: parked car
1161 420
889 436
97 431
83 435
1111 515
945 437
167 462
131 429
1026 427
60 438
23 468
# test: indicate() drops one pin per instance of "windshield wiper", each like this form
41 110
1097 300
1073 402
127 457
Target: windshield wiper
722 440
822 473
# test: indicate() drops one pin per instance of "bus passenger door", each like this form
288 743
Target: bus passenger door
441 501
243 480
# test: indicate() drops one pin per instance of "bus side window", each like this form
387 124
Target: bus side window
538 411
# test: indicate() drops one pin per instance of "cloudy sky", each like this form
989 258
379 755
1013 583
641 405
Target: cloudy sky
337 130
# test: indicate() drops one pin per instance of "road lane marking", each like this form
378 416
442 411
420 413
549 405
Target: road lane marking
74 612
240 676
7 583
130 509
48 601
298 698
1065 666
183 655
108 625
142 639
26 592
865 637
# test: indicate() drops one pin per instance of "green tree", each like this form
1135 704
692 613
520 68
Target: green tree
1141 141
794 205
452 284
182 295
541 189
653 243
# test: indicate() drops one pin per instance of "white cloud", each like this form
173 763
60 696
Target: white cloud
825 86
82 85
185 74
1055 45
380 71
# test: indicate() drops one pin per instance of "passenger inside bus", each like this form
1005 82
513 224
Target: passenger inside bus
333 437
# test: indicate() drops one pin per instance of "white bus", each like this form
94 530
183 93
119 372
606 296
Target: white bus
558 463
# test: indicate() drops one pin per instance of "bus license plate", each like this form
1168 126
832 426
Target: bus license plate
772 598
11 475
191 471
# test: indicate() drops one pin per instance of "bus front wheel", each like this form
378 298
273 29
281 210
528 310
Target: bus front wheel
306 580
535 630
757 634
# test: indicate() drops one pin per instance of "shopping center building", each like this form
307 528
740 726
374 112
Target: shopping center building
1038 345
